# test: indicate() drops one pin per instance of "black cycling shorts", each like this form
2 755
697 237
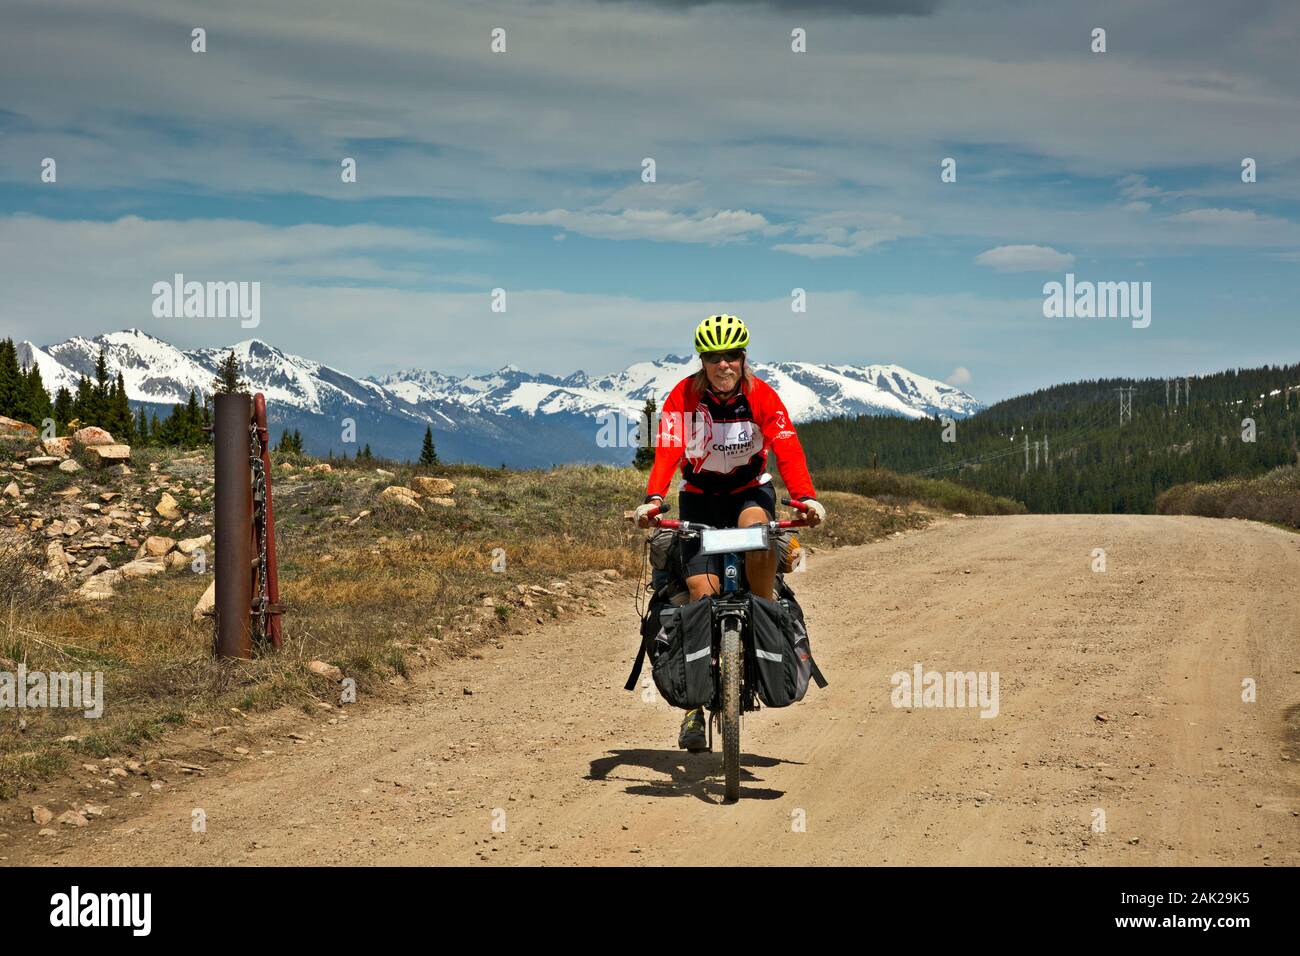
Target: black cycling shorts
720 511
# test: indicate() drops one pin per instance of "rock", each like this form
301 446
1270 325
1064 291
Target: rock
444 502
99 586
207 605
177 560
47 832
71 818
62 447
158 545
56 562
11 426
382 473
190 545
400 495
141 568
69 466
167 507
108 496
11 490
611 574
104 455
42 461
325 670
71 526
358 518
89 506
474 492
90 436
119 469
322 468
433 486
69 492
41 815
100 563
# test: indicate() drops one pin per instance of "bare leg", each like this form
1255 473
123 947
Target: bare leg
703 585
760 566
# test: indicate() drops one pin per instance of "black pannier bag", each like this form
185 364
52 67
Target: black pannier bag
681 654
782 661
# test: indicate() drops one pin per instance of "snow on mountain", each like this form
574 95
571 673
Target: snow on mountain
507 415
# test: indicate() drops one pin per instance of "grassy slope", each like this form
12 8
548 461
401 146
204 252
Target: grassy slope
1274 496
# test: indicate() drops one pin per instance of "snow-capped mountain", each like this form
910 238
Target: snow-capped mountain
508 416
809 391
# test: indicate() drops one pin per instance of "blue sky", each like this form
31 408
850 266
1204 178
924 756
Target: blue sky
775 170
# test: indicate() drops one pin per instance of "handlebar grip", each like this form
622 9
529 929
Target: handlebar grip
796 505
664 508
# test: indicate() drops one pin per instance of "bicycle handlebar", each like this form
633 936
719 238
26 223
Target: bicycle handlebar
676 524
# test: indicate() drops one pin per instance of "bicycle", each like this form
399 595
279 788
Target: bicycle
733 691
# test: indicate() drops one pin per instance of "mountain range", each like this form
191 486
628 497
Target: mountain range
510 416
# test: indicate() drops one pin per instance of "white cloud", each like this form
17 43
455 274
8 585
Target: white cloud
660 225
960 376
1219 217
1025 259
1137 207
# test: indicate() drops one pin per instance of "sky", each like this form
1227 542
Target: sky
774 170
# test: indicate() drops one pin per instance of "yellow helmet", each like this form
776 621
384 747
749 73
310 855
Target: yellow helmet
721 333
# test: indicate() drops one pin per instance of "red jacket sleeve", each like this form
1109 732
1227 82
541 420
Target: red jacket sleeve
669 443
779 435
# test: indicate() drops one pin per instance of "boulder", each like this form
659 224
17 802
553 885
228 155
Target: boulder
167 507
99 586
444 502
100 563
56 562
69 465
207 605
433 486
141 568
91 436
106 455
401 496
157 545
177 560
190 545
11 426
325 670
62 447
323 467
42 461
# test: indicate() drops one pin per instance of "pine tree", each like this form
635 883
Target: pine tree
11 388
121 411
99 405
365 454
228 379
83 403
645 452
155 430
297 441
37 405
141 428
62 408
192 434
286 443
428 454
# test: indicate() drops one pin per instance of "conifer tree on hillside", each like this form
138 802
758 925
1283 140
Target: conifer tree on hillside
428 454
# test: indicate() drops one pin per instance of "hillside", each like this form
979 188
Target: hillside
1063 449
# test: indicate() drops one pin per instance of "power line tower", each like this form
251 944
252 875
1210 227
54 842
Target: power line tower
1125 404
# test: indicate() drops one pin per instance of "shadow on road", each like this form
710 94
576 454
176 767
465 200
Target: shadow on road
689 775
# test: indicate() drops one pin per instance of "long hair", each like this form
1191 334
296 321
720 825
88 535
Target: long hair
700 380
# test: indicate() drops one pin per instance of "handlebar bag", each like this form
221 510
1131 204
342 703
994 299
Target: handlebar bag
681 654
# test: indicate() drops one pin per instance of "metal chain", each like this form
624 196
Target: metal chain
261 601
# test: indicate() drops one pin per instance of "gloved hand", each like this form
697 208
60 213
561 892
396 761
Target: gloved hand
643 512
816 512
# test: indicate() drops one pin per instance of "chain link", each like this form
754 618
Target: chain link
261 600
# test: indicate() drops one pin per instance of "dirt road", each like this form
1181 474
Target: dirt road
1121 735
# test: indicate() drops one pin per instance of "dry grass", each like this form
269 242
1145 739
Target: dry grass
398 589
1273 497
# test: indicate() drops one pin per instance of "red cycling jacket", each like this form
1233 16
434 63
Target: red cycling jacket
718 441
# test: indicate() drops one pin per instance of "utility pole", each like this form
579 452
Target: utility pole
1026 456
1047 459
1125 403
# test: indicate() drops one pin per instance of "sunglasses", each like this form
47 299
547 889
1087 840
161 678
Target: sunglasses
713 358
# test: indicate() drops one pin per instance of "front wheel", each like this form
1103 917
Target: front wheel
729 665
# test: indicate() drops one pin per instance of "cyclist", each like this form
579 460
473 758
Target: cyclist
718 424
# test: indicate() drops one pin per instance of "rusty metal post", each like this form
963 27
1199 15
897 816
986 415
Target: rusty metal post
233 524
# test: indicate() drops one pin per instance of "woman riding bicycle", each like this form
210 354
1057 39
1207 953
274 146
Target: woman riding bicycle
718 424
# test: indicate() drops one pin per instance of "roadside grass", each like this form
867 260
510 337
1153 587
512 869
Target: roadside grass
892 488
1273 497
